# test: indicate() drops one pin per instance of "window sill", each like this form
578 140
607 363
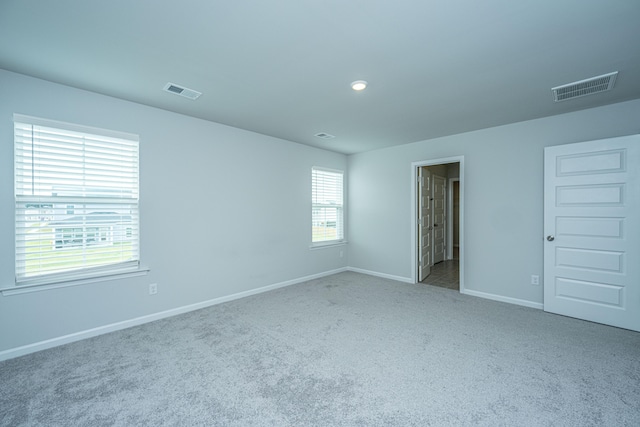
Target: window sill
322 245
37 287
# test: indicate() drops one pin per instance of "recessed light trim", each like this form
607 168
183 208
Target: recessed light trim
359 85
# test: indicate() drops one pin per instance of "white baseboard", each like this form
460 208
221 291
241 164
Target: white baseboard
501 298
89 333
479 294
383 275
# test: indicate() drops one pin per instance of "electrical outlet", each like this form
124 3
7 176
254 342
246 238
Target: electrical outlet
341 254
535 279
153 289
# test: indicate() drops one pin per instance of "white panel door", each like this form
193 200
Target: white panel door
424 223
592 231
439 223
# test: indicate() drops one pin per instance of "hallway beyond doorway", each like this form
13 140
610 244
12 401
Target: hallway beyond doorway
445 274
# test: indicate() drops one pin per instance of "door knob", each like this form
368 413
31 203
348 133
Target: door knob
550 238
435 225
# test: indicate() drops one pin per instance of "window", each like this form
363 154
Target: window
327 218
76 201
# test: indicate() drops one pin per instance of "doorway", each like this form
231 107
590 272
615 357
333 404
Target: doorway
446 267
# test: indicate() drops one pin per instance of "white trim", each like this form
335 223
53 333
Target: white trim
322 168
100 330
327 244
37 121
89 333
103 277
501 298
469 292
414 213
383 275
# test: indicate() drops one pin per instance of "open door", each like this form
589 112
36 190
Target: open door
439 196
425 219
592 231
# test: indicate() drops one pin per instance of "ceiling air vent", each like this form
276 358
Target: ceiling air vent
324 135
586 87
182 91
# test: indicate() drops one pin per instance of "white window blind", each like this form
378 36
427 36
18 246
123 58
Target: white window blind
327 205
76 201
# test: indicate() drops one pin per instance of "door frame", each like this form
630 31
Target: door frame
414 213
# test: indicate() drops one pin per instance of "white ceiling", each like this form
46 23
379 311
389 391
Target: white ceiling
283 67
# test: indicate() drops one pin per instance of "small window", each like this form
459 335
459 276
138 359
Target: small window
76 201
327 215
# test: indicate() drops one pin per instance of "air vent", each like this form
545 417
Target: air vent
324 135
182 91
586 87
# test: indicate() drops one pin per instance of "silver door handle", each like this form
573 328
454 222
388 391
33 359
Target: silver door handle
550 238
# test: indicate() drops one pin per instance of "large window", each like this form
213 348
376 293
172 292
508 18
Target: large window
327 218
76 201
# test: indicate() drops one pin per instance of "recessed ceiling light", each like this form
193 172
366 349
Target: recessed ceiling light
359 85
324 135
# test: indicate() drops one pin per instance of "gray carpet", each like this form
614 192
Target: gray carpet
346 350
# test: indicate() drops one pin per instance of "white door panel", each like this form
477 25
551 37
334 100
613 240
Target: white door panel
589 292
585 227
592 225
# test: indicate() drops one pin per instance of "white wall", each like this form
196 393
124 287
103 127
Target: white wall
222 211
503 203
